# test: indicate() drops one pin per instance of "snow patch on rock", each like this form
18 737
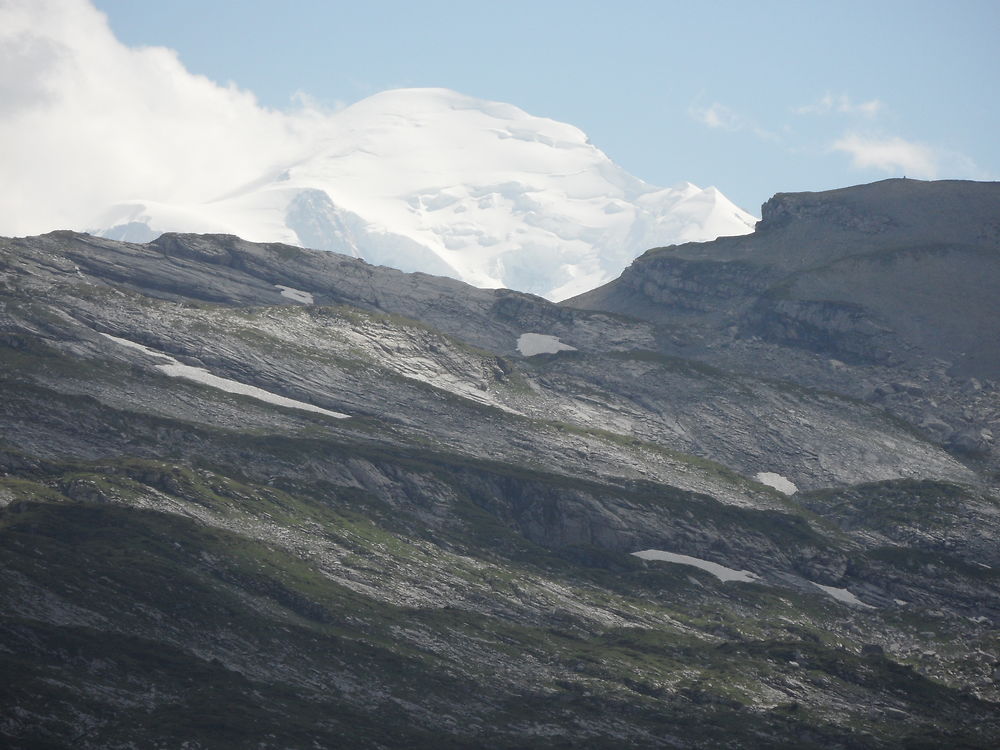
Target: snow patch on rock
530 344
296 294
778 482
842 595
719 571
176 369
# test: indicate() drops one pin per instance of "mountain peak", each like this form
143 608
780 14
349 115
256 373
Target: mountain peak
431 104
429 179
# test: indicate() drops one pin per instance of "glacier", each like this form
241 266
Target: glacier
436 181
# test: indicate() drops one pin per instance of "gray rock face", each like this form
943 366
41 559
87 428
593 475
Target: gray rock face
891 281
899 269
193 538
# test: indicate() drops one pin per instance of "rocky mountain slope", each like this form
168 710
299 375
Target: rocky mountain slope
885 292
259 495
431 180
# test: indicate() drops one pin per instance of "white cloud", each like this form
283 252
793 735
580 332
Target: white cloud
719 116
890 154
841 104
309 103
870 108
86 121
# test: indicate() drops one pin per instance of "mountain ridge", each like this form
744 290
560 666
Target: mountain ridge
833 250
253 494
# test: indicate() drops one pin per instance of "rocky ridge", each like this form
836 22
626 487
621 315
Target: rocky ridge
449 564
882 292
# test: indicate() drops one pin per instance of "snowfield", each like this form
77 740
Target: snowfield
842 595
175 369
295 294
719 571
432 180
776 481
530 344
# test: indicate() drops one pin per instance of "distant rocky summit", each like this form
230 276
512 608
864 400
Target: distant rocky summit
899 271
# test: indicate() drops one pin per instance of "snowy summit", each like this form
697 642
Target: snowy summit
432 180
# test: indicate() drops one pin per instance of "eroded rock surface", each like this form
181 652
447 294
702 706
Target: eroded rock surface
450 563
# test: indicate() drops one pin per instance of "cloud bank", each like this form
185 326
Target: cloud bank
898 156
86 122
889 154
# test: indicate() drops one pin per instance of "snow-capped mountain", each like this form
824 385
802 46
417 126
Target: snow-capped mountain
432 180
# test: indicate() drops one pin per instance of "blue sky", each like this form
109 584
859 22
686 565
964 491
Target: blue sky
109 100
754 98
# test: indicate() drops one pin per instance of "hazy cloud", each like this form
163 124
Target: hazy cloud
889 154
308 103
719 116
86 122
841 104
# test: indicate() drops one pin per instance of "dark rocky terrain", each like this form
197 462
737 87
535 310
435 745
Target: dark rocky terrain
428 542
885 292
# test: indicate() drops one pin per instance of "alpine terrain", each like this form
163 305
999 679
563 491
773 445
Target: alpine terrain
746 495
431 180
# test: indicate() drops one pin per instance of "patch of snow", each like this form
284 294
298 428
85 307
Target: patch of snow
530 344
296 294
778 482
175 369
719 571
841 595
